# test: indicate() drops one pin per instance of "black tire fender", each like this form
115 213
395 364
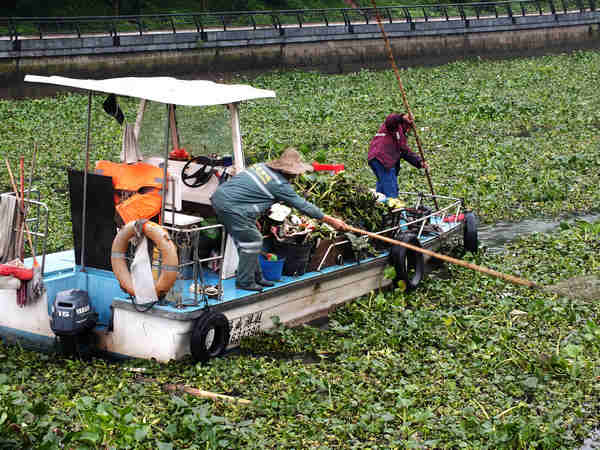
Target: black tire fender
470 235
409 264
210 336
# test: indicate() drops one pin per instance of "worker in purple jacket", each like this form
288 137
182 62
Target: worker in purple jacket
386 149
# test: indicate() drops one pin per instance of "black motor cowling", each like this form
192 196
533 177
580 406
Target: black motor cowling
72 314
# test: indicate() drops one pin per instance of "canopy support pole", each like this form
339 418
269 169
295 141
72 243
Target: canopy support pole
85 179
165 172
236 138
231 258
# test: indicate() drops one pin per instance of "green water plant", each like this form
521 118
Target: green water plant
465 361
515 138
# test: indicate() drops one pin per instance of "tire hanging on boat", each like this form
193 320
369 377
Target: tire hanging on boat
409 264
161 239
470 235
210 336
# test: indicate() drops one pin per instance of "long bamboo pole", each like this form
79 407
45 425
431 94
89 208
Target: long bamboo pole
460 262
404 99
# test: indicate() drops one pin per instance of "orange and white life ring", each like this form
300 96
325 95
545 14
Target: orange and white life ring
161 239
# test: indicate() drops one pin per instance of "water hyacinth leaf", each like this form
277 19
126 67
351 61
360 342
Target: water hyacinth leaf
141 433
389 273
87 436
531 382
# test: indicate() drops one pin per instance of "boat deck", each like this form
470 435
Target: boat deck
103 288
61 273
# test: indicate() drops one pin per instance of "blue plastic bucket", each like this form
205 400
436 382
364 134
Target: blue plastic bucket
271 270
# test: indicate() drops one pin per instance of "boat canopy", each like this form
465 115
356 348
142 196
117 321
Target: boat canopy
163 89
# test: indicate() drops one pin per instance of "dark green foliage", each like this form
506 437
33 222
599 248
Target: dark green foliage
343 196
67 8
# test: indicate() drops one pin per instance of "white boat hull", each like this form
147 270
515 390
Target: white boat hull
30 321
164 336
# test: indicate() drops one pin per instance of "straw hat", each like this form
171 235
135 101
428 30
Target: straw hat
290 162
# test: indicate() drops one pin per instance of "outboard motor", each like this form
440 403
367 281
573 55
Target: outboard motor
72 313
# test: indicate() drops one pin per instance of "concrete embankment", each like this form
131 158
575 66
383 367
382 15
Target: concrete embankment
332 48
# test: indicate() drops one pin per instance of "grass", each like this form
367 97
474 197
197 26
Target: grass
466 361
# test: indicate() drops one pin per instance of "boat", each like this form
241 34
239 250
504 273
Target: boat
202 314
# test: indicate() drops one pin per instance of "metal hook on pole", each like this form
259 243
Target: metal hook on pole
404 99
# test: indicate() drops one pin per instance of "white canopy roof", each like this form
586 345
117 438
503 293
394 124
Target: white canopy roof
163 89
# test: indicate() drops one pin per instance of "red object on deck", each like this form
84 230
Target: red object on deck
179 154
453 218
18 272
335 168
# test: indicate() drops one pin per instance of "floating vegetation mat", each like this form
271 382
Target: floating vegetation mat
544 161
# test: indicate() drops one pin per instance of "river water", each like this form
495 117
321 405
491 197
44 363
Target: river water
493 237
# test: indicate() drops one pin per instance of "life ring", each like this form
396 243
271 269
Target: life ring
409 264
161 239
470 235
210 336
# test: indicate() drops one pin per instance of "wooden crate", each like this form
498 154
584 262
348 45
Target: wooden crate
343 252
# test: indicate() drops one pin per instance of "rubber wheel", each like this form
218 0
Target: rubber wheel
409 264
470 237
209 337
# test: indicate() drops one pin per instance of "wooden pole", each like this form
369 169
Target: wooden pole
174 135
404 99
460 262
205 394
170 387
31 173
24 214
19 200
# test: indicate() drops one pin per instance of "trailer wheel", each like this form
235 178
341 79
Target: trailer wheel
409 264
209 337
470 237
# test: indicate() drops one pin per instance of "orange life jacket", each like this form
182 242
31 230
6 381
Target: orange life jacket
140 206
132 178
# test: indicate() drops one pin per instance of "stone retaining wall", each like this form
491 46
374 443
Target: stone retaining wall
215 55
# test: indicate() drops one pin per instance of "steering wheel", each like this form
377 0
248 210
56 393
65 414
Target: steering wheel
200 176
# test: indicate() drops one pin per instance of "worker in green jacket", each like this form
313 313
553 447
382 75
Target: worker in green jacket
242 199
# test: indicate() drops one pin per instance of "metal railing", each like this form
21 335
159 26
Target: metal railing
450 209
15 28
